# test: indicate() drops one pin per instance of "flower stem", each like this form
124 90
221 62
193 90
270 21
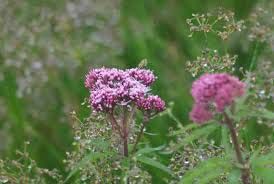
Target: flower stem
254 56
114 124
141 132
245 175
125 147
125 132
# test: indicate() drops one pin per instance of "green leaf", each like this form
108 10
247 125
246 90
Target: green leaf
92 156
203 131
254 155
154 163
207 170
183 130
100 143
263 167
209 177
256 113
148 150
240 102
174 118
234 177
225 140
266 114
242 110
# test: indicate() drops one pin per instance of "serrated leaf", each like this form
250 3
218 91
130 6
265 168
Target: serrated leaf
234 177
225 140
196 134
240 102
149 150
254 155
263 167
264 173
92 156
209 177
206 171
151 134
242 110
154 163
100 143
255 113
184 129
266 114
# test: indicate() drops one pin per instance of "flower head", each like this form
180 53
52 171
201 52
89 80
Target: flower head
110 87
151 103
144 76
218 90
200 113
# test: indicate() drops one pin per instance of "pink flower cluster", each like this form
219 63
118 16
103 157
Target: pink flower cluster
110 87
218 90
151 103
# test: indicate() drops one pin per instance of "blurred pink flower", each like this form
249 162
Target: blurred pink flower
200 114
218 90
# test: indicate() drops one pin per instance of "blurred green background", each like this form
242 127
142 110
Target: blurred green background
48 46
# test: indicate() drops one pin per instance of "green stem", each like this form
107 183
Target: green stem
125 132
254 57
114 124
141 132
245 175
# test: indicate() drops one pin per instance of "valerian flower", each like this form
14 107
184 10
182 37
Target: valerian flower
151 103
200 113
118 94
217 90
111 87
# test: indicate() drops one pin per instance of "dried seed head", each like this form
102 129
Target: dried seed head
221 22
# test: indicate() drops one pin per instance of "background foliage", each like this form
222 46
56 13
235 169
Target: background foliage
48 46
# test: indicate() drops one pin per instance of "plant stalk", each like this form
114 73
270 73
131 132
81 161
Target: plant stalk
141 132
125 147
125 132
114 124
245 174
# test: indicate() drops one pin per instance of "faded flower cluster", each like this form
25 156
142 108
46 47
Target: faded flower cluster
218 90
221 22
211 62
261 24
110 87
